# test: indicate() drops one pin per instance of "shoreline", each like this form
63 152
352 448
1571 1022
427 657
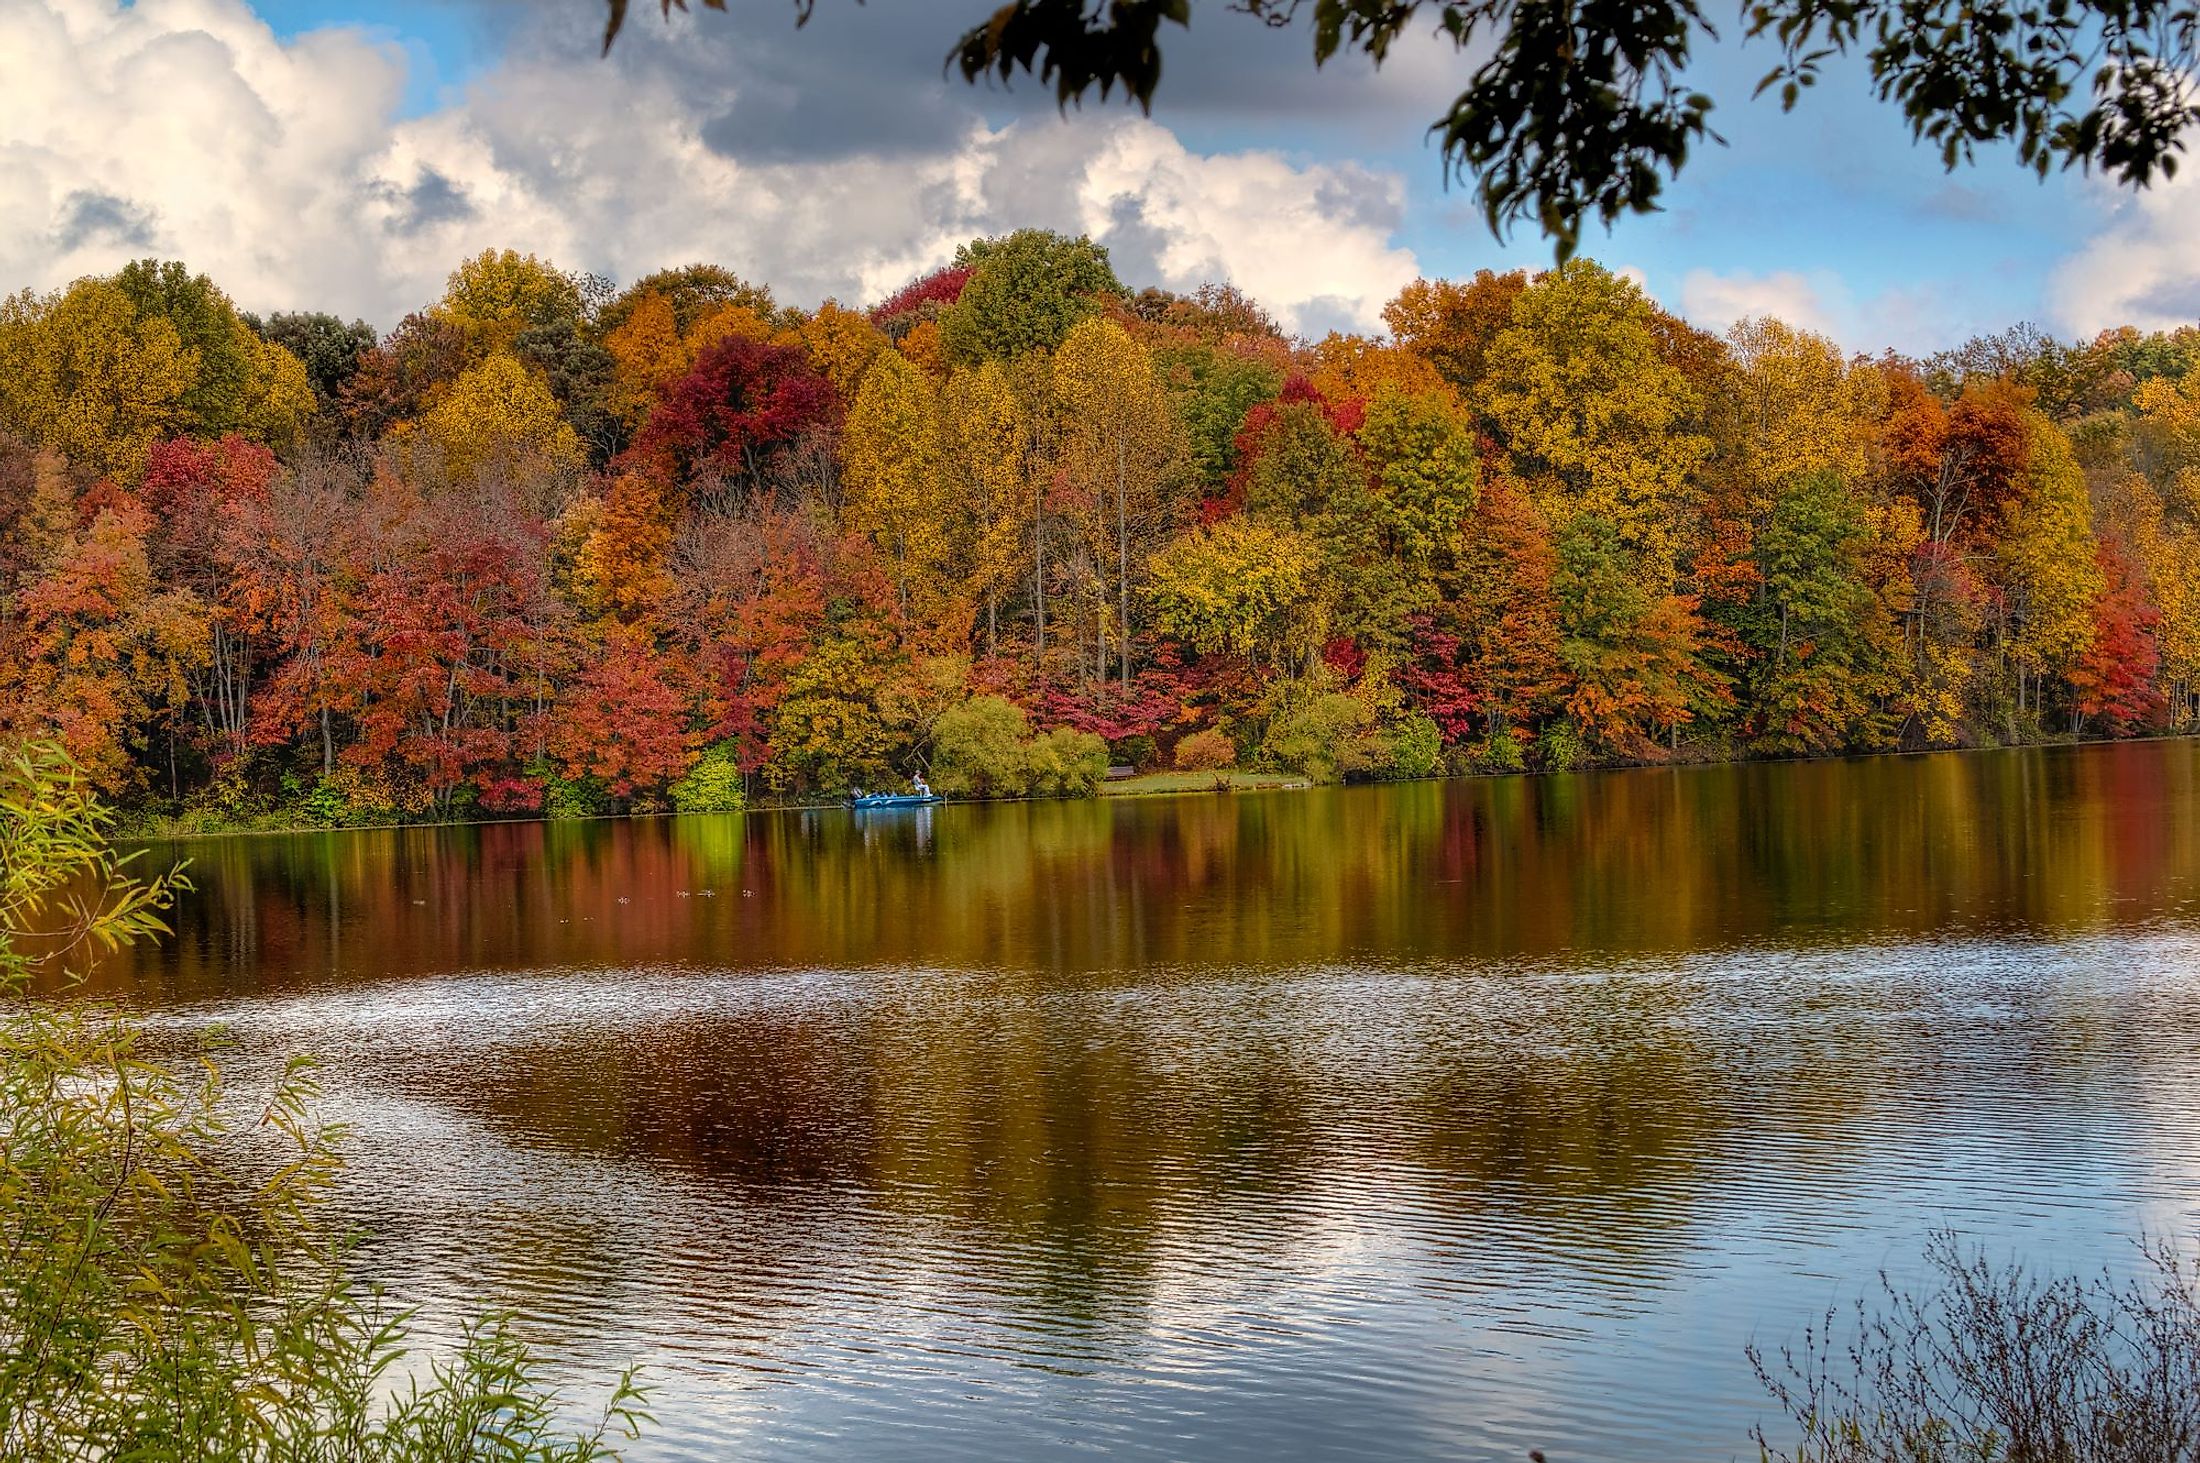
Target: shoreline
1226 781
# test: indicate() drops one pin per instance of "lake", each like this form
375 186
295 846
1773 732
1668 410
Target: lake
1433 1120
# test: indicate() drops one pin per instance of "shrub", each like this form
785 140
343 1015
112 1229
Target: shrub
712 785
1138 752
575 797
207 1312
228 789
1501 753
1412 746
367 798
1993 1365
1067 764
1560 747
323 805
1205 751
978 750
1321 739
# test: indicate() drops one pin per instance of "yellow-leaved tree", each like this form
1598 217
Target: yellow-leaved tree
1593 415
733 322
983 441
277 399
242 382
102 370
1798 409
843 342
500 293
646 353
81 373
2160 506
2050 571
1121 454
2169 552
896 486
500 413
1246 587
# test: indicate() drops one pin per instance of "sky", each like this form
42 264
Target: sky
345 154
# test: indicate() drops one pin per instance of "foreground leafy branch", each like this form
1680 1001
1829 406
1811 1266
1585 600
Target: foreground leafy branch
170 1285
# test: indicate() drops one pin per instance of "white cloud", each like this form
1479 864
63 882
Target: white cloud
186 128
1716 301
2140 269
1918 319
1312 243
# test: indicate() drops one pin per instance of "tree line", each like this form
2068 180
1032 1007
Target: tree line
554 546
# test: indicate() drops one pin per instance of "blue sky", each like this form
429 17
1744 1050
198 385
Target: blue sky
832 160
446 44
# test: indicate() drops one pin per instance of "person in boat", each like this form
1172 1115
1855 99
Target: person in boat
924 789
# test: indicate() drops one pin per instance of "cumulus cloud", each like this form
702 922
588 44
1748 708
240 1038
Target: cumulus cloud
1716 301
184 127
187 128
2140 268
1311 242
1918 319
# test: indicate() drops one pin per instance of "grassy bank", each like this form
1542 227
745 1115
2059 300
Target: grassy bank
1225 780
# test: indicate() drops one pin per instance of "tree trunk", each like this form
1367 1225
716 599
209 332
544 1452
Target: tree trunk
1038 577
1123 561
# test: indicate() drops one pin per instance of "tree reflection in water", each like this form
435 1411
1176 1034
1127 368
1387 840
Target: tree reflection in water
1382 1121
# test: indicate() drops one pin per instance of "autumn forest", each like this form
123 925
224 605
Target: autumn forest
553 546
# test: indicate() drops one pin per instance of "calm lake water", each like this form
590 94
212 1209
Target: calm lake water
1442 1120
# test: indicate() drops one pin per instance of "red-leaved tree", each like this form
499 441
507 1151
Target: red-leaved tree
197 491
624 719
743 404
2115 678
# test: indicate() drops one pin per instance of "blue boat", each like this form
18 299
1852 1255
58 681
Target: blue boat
895 800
